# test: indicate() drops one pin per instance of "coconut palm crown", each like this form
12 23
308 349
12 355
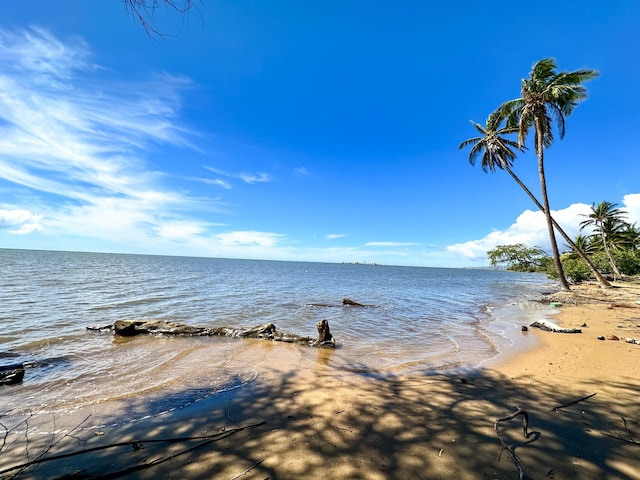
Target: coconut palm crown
497 151
549 97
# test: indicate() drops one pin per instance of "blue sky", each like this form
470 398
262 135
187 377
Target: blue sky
319 131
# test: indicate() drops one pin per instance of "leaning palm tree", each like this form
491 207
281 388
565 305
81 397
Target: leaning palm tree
499 152
606 220
547 98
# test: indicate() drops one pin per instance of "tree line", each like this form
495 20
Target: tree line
547 98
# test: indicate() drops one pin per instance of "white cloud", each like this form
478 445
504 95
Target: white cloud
529 228
631 204
334 236
19 222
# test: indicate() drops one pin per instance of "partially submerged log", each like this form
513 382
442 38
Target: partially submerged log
548 326
347 302
267 331
11 374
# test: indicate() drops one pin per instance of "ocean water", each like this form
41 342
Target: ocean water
421 320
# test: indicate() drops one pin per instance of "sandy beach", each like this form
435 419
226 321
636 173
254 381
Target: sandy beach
303 419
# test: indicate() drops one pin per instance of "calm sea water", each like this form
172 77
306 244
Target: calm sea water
423 320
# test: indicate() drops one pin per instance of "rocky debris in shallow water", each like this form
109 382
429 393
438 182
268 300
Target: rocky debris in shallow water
267 331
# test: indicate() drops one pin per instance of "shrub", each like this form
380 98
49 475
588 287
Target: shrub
575 269
628 262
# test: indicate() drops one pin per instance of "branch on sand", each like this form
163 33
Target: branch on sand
511 450
573 402
136 445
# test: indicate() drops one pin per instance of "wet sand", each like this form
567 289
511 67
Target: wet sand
303 419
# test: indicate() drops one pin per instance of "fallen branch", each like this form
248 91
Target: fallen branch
573 402
617 437
136 445
247 470
510 450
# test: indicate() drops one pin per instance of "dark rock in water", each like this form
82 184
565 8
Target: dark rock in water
524 328
11 374
351 303
347 302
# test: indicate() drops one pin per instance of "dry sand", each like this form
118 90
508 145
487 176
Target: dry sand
309 421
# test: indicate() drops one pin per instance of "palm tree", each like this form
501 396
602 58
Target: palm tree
547 98
631 237
606 220
498 152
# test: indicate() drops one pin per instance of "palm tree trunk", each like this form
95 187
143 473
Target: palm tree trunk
614 268
547 211
601 280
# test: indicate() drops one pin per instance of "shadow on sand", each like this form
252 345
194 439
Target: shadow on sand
321 423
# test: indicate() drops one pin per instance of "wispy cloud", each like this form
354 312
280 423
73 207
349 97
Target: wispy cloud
218 182
258 177
335 236
81 144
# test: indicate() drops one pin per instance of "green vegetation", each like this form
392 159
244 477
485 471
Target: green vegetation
607 223
613 249
519 258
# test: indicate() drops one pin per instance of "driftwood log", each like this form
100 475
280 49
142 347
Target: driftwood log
548 326
346 302
267 331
